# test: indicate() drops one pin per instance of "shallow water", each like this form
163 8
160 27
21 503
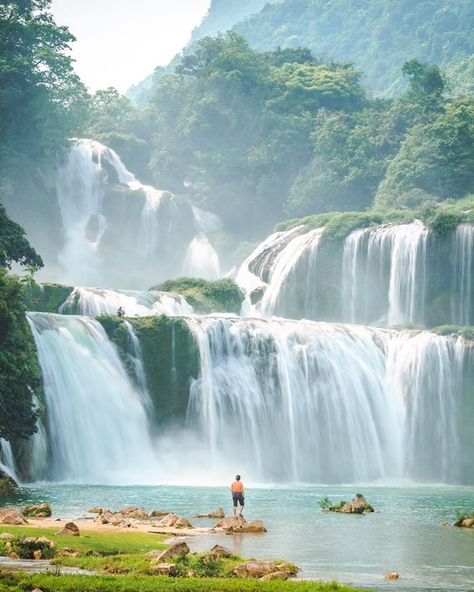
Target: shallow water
403 535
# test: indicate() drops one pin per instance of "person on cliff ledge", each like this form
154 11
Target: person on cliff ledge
120 312
237 490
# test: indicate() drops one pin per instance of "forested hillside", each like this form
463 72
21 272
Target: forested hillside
378 36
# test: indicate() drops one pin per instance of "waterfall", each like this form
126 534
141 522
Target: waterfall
201 259
136 357
100 301
317 402
7 460
103 237
461 289
97 424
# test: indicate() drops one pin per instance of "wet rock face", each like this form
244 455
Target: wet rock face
8 485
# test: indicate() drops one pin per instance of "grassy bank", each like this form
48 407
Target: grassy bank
69 583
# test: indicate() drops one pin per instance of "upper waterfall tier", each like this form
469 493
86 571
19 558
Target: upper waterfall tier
118 231
100 301
386 275
298 401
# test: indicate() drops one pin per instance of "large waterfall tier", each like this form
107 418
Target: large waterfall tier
120 231
96 424
100 301
385 275
278 400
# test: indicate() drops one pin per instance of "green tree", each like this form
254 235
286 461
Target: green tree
14 246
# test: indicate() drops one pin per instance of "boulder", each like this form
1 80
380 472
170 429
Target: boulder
164 569
232 525
392 575
8 485
468 523
37 554
95 510
12 516
172 520
257 568
219 551
159 513
176 550
13 555
37 511
229 522
276 575
219 513
358 505
6 536
134 513
70 529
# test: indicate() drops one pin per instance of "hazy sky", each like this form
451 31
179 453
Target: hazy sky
119 42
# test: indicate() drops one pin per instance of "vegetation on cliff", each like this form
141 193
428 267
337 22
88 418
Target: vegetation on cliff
205 296
170 359
378 36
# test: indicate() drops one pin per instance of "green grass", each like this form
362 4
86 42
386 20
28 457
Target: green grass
107 543
70 583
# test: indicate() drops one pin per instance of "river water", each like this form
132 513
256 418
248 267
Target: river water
405 534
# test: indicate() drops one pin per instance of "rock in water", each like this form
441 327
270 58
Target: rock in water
38 511
134 513
260 568
392 575
219 513
234 524
12 516
8 485
70 529
172 520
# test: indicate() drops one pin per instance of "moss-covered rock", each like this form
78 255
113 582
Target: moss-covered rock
8 485
170 358
206 297
46 297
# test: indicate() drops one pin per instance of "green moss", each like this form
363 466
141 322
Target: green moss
463 331
46 297
8 486
206 297
170 358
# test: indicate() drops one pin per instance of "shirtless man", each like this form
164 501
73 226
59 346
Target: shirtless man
237 490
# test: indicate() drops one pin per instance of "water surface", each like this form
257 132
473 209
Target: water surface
404 534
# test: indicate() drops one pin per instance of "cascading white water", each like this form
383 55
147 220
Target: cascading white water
201 259
284 283
462 291
100 301
136 357
385 263
96 420
319 402
7 460
100 240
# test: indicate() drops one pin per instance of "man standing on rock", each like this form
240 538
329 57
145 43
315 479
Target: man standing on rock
237 490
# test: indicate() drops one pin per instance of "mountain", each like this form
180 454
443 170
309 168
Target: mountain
221 16
377 36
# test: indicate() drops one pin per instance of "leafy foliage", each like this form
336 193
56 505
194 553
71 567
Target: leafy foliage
378 36
206 296
14 246
18 363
